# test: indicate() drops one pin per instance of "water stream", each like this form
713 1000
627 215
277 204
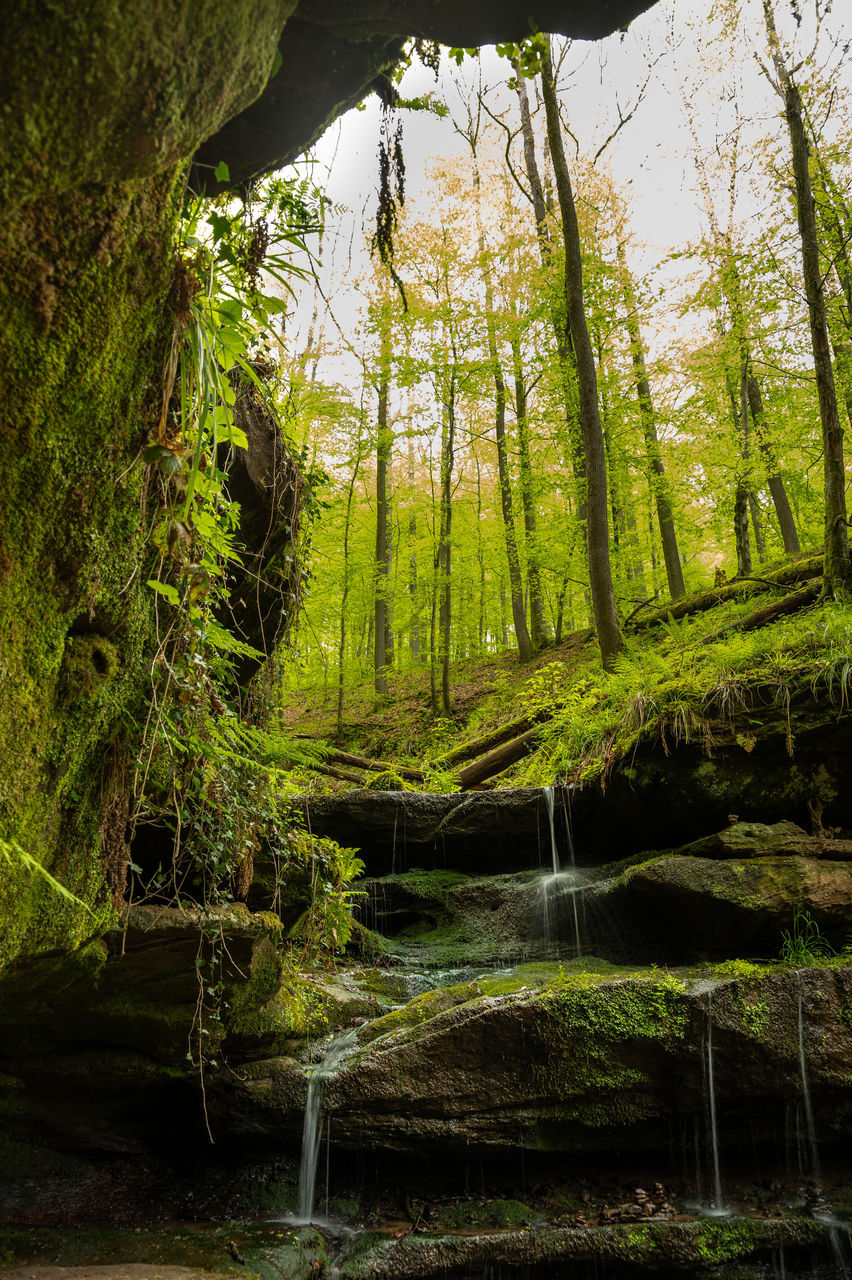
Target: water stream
560 880
815 1170
806 1088
718 1203
312 1129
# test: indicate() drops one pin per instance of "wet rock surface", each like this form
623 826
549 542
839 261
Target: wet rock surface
504 1016
656 800
574 1062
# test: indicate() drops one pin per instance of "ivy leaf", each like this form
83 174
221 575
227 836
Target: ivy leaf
276 65
166 590
222 172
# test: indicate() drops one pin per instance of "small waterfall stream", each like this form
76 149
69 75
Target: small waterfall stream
312 1128
815 1170
560 880
718 1202
807 1104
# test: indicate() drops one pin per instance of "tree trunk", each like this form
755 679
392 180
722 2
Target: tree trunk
741 538
506 505
384 441
600 575
415 639
559 310
444 555
837 581
647 418
786 522
540 627
344 595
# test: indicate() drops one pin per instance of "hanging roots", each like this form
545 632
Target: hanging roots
429 53
391 185
253 253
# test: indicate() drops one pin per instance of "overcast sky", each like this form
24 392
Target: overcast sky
651 159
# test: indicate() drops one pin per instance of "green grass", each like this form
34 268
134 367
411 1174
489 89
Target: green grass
670 685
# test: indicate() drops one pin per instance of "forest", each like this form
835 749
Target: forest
503 470
426 642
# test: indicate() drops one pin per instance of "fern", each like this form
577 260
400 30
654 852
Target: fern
13 854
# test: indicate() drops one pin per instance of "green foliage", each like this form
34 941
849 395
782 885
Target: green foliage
803 943
13 855
316 877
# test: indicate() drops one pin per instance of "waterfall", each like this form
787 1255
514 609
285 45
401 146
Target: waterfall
550 802
806 1088
560 880
718 1202
814 1202
312 1128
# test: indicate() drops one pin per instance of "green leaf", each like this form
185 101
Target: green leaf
166 590
222 172
276 65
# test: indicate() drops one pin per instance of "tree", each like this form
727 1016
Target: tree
837 578
600 575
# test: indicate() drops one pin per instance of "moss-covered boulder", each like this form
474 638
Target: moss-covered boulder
686 908
687 1248
578 1061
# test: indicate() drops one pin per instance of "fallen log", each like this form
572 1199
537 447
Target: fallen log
496 761
791 603
477 747
788 575
375 766
317 766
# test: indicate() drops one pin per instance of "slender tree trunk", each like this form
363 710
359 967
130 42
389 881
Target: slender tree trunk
777 490
539 625
837 578
648 420
757 526
506 504
415 639
445 545
600 575
344 595
383 641
480 552
739 414
559 309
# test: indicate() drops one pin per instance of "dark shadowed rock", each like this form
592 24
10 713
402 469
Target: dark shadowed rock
581 1063
655 800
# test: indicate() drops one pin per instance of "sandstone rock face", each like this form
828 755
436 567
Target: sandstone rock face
579 1063
699 908
654 801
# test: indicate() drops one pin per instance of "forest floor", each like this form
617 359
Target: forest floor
676 679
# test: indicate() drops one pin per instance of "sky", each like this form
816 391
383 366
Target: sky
650 159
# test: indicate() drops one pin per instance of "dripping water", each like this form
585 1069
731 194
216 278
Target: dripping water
806 1088
718 1203
560 881
834 1236
312 1128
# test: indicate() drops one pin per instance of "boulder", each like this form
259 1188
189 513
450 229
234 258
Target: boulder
579 1062
685 908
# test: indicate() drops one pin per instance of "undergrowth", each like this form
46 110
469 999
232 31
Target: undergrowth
671 685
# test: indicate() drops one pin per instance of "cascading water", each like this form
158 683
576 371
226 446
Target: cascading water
718 1204
815 1170
312 1128
560 880
806 1088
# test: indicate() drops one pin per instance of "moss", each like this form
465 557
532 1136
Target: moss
419 1010
387 781
489 1213
86 286
125 90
